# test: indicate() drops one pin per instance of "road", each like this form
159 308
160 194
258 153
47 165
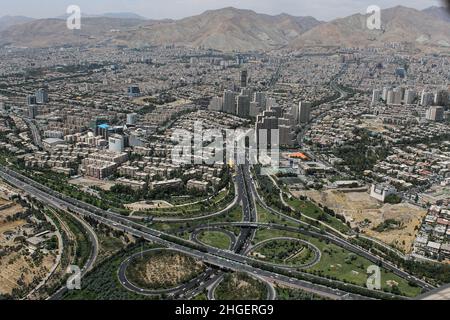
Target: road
220 258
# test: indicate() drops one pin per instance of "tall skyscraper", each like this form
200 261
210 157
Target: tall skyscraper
410 96
304 112
116 143
32 111
131 119
390 97
243 106
244 78
216 104
42 96
398 96
427 99
229 102
435 113
441 98
260 98
376 96
31 100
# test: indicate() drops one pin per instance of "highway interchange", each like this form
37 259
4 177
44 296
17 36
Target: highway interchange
225 260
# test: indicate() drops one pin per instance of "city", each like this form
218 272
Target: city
274 157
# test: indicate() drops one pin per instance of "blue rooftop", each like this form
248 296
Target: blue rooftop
104 126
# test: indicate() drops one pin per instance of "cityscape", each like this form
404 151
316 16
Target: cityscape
230 155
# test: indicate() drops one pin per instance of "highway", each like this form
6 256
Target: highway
220 258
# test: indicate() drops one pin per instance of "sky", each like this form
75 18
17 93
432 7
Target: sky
176 9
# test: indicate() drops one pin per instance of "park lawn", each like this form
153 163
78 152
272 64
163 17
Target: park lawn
333 263
311 210
215 239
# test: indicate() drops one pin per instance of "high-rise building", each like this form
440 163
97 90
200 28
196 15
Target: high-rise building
376 96
410 96
244 78
435 113
398 96
427 99
304 112
131 119
385 93
229 102
216 104
260 98
116 143
441 98
265 123
255 109
42 96
390 97
31 100
32 111
243 106
286 132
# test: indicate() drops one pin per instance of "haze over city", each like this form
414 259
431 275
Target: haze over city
176 9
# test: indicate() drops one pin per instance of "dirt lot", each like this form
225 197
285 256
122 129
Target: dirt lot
148 205
88 182
359 206
17 264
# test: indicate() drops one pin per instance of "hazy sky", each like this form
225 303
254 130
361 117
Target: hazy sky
159 9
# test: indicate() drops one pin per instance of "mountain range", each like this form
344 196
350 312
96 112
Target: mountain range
231 29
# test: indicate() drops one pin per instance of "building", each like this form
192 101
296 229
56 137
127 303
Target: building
410 96
116 143
435 113
304 112
390 97
244 78
166 184
441 98
243 106
134 91
381 192
265 123
216 104
427 99
398 96
229 102
32 111
260 99
31 100
376 96
197 185
131 119
42 96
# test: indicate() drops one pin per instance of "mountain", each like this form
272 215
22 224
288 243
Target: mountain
9 21
123 15
54 32
399 24
231 29
438 12
225 29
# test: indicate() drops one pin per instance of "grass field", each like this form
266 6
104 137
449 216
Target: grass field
343 265
215 239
